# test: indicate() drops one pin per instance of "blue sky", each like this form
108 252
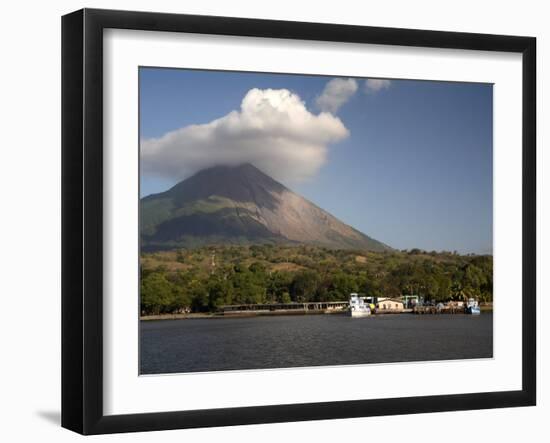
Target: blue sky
415 169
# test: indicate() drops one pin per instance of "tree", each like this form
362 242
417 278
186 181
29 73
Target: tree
372 288
457 291
278 287
181 299
257 268
246 289
304 285
200 301
444 288
220 292
157 294
342 285
285 298
473 280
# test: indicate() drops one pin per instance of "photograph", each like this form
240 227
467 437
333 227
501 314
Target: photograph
269 221
296 220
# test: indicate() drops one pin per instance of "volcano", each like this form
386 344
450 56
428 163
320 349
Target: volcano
240 205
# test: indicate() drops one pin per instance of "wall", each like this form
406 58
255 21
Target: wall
30 190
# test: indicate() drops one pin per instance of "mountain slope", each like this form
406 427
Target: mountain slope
240 205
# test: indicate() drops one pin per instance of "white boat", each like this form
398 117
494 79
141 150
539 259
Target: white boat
358 307
472 307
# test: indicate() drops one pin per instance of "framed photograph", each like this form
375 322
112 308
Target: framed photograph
269 221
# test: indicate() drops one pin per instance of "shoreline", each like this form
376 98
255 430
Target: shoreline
214 315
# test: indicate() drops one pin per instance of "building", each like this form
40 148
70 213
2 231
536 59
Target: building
389 305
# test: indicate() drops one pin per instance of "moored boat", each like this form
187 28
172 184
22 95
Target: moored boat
358 307
472 307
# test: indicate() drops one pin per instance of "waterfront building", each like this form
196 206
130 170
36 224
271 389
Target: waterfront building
389 304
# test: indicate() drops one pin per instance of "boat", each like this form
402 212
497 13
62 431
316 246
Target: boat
472 307
358 307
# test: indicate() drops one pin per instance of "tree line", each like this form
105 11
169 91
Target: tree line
203 280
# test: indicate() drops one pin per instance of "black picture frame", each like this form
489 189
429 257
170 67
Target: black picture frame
82 218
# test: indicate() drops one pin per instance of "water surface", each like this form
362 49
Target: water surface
169 346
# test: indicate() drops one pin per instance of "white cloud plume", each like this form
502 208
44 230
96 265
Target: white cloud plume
273 130
337 92
376 84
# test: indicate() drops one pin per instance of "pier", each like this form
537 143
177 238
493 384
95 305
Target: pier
286 308
331 307
421 310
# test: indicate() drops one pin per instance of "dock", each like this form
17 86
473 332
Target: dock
285 308
421 310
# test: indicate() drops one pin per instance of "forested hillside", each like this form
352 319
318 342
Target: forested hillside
203 279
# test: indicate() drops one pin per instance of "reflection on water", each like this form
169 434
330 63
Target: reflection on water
169 346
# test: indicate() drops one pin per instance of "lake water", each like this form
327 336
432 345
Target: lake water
169 346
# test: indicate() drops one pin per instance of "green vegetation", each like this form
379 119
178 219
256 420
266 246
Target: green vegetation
202 280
